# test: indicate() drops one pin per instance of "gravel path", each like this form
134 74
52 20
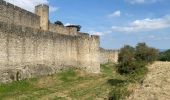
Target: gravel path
156 86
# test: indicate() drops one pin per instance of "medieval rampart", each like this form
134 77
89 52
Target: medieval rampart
22 46
30 46
18 16
108 56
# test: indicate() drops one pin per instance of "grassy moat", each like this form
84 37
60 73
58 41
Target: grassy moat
73 85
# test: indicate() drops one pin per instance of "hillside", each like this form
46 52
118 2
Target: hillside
156 85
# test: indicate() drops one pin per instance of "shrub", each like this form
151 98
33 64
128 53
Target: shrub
164 56
132 59
126 57
131 67
145 53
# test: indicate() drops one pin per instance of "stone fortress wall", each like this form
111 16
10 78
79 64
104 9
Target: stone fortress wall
30 46
18 16
10 13
67 30
108 56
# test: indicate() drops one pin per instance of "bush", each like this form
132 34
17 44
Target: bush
145 53
165 56
126 57
132 59
131 67
126 54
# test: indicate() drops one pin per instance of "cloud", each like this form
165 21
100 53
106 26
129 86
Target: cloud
30 4
115 14
144 25
141 1
53 9
96 33
99 33
68 24
154 38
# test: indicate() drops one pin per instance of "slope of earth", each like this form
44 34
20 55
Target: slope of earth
156 85
67 85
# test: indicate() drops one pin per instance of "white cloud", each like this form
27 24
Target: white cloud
152 37
99 33
96 33
30 4
145 25
67 24
53 9
141 1
155 38
115 14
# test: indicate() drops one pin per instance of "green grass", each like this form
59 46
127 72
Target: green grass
15 88
107 69
68 75
72 84
120 87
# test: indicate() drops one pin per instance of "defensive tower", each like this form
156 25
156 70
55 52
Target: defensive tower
43 11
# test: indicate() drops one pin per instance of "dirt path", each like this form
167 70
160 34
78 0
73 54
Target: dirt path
156 86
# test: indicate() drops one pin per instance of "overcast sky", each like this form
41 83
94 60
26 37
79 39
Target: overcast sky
118 22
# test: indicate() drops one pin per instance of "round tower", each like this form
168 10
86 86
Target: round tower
43 11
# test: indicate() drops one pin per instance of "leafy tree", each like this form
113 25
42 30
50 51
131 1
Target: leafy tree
152 55
78 27
165 56
126 54
126 57
59 23
132 59
145 53
141 52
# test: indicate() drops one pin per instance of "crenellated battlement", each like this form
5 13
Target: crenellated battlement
42 5
10 13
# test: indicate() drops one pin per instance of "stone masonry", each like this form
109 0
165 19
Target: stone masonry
108 56
30 46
